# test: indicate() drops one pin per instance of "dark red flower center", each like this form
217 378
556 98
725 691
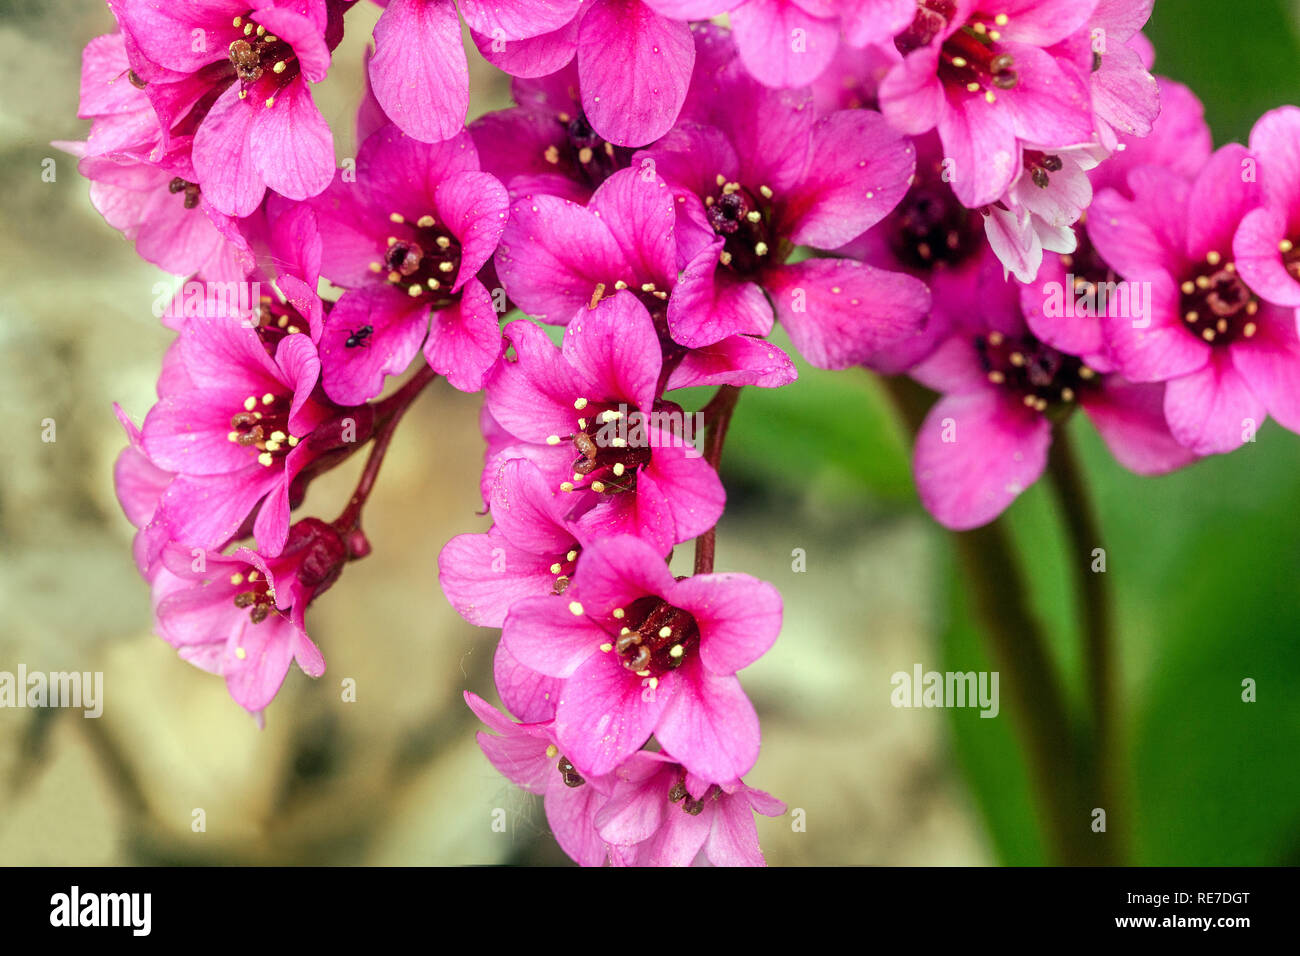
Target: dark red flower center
263 426
581 154
610 448
654 637
1045 378
421 257
258 597
744 220
1216 305
970 58
264 64
931 227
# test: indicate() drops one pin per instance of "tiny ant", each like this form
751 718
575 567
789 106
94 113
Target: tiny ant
357 337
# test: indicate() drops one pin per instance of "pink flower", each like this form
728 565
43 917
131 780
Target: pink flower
140 485
235 74
558 259
142 187
241 615
932 236
641 653
789 43
406 237
992 79
545 144
528 755
760 177
633 63
234 431
986 440
1125 98
1228 358
532 548
1180 143
569 405
1267 244
659 814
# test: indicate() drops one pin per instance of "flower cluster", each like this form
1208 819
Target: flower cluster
870 174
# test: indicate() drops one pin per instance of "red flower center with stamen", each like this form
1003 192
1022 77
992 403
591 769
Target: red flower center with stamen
970 58
422 258
744 220
264 64
610 451
655 637
259 597
1216 305
1044 377
263 425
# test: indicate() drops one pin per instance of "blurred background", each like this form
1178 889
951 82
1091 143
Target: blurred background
1205 565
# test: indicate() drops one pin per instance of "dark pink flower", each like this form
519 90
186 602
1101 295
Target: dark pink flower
406 237
762 176
529 756
1228 358
234 432
245 67
992 79
545 144
140 485
558 259
532 548
241 615
659 814
590 413
1267 244
1179 143
986 440
932 236
633 63
143 187
641 653
789 43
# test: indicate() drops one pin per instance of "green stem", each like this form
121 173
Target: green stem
1097 630
1019 650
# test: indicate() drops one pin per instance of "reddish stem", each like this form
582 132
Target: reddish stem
388 413
717 416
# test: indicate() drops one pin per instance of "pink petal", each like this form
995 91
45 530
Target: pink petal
543 634
1211 410
999 451
739 618
1131 420
839 312
292 145
771 49
606 713
634 67
419 73
465 338
710 725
